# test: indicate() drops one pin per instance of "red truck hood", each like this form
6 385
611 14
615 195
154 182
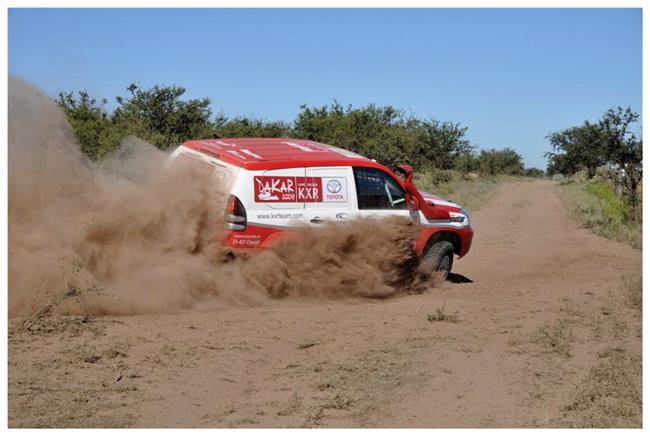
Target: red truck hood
439 202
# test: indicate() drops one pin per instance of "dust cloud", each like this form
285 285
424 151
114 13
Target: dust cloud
131 235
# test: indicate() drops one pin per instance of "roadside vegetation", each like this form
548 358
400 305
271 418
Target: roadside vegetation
439 150
596 206
471 190
601 163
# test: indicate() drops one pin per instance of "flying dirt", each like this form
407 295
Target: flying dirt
131 235
539 333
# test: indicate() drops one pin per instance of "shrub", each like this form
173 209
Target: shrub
597 207
507 161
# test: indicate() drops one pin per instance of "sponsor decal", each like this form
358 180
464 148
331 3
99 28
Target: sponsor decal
283 189
342 216
456 217
334 186
279 216
336 189
246 240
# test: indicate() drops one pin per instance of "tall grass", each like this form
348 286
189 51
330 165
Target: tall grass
598 208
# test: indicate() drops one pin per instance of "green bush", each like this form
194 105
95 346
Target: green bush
161 116
507 161
613 142
534 172
598 208
443 176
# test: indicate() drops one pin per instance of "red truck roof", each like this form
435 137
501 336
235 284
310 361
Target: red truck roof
272 153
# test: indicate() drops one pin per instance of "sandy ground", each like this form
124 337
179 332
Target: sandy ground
356 363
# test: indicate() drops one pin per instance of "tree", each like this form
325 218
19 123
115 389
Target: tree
92 124
162 117
624 150
611 141
159 116
386 134
580 148
505 161
445 146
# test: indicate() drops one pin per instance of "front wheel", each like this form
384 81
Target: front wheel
440 258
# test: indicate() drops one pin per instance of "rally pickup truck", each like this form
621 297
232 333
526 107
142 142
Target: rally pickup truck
279 184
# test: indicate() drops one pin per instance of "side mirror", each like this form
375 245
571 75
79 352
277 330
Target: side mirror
430 211
407 170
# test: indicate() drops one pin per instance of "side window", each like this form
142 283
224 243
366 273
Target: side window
378 190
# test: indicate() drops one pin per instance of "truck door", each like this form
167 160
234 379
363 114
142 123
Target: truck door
378 194
333 195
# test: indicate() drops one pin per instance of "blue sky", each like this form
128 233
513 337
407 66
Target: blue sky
509 75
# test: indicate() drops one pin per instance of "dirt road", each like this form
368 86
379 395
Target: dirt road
464 354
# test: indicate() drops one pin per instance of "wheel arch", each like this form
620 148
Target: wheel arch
446 235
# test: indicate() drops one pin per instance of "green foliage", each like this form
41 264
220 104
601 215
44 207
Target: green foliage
625 151
598 207
581 148
612 142
159 116
507 161
162 117
97 133
249 127
381 133
388 135
613 208
438 177
446 147
534 172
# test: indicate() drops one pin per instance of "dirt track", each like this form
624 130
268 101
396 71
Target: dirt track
347 363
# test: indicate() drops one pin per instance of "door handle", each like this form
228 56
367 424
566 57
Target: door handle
316 220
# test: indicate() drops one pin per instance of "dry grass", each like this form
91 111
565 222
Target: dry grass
634 291
610 395
37 320
557 338
471 193
360 386
441 316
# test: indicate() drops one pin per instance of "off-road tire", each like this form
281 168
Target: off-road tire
439 258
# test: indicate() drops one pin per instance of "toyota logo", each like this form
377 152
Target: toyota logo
334 186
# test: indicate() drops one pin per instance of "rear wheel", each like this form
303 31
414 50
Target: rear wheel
440 258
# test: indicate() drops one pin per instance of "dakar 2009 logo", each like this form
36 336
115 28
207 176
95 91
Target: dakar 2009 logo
283 189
